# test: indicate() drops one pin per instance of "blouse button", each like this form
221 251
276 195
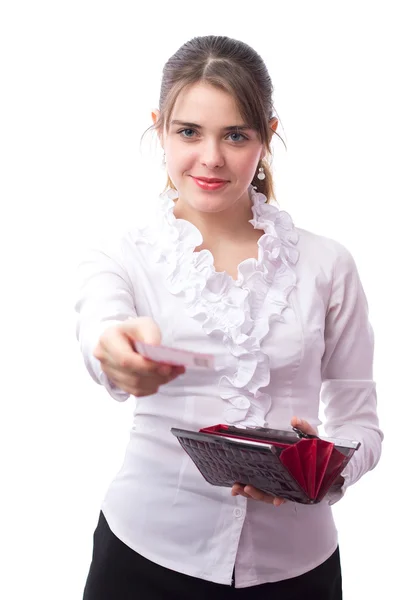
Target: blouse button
238 512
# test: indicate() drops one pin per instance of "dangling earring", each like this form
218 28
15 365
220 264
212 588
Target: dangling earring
261 174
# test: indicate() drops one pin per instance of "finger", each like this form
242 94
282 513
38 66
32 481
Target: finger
170 371
303 425
115 350
137 385
238 490
257 494
145 330
165 372
278 501
250 492
139 389
148 389
235 489
116 345
243 494
124 358
174 374
145 366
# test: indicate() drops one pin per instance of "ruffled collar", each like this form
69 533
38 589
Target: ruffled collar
239 312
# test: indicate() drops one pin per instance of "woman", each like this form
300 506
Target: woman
221 271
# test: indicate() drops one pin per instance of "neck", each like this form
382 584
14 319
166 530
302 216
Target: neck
226 225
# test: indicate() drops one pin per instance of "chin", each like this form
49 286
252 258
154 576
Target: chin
210 203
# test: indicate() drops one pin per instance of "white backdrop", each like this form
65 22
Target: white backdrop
79 79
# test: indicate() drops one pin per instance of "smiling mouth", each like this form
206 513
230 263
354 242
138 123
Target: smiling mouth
210 179
210 184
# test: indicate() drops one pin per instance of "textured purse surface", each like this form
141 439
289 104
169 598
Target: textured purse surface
224 465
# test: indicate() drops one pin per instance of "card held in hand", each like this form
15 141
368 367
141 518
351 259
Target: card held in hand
286 464
175 356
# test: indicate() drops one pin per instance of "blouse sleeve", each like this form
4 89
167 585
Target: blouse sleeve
348 390
105 297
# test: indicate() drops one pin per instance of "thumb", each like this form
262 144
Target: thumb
143 329
303 425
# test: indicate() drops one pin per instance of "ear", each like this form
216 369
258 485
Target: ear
273 124
155 113
272 127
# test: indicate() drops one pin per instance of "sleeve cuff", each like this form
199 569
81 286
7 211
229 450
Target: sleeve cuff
112 389
100 376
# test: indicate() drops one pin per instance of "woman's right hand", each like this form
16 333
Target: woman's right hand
127 369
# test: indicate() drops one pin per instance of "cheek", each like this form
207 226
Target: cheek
179 158
246 164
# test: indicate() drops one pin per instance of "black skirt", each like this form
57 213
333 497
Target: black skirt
119 573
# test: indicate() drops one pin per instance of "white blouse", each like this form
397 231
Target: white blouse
290 330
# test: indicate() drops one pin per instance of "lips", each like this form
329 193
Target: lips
210 184
210 179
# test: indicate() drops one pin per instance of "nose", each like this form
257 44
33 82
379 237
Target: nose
212 155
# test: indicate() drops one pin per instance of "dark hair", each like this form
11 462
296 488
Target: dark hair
234 67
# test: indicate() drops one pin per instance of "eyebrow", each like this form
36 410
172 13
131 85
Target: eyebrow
196 126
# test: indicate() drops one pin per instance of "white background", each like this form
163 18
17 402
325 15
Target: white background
79 80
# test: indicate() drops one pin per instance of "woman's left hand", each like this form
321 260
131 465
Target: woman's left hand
252 493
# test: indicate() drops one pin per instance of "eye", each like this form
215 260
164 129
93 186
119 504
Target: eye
187 133
237 137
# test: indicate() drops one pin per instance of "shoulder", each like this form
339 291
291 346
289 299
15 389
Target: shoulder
130 236
312 248
329 263
326 251
116 251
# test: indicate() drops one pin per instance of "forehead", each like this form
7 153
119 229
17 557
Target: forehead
206 104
